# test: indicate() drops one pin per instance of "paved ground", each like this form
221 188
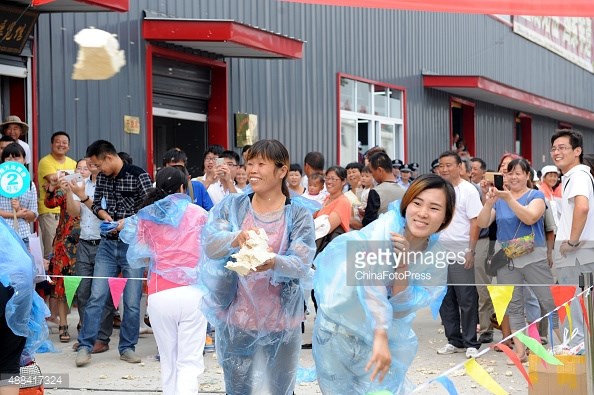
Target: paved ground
107 375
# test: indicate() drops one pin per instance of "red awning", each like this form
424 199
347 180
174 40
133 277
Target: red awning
507 7
76 5
489 91
222 37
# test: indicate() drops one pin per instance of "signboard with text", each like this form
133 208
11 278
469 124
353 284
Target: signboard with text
570 38
16 24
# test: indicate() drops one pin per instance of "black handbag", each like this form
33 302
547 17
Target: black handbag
496 261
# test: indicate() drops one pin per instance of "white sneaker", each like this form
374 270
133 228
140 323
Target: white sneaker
471 352
449 349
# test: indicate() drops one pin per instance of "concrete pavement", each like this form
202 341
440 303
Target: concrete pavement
106 374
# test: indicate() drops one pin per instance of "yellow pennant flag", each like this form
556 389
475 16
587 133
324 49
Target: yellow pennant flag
480 375
568 313
500 297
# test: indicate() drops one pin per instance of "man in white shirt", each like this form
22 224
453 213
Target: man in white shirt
79 201
575 233
459 309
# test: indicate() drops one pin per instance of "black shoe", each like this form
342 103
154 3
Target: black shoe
486 337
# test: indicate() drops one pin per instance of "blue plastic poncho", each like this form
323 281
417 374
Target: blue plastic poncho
25 311
165 237
257 317
349 314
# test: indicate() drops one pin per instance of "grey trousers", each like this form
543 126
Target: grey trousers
533 273
485 306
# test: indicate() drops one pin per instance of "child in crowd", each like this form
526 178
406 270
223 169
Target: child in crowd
315 186
23 208
367 184
241 178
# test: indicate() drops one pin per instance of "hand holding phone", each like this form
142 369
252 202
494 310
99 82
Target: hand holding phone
73 177
495 179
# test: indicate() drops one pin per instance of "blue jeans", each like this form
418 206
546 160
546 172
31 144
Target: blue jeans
85 266
109 262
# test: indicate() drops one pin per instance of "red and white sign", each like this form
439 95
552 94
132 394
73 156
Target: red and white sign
570 38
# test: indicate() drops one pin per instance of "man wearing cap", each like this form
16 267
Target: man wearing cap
405 175
435 166
15 128
396 165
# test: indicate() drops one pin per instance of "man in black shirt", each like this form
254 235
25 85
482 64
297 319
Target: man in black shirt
121 188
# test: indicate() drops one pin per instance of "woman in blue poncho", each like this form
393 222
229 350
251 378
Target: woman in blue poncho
165 236
258 316
22 311
363 340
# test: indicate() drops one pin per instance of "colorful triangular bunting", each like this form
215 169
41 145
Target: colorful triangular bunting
116 287
500 297
512 355
561 294
480 375
71 284
447 384
538 349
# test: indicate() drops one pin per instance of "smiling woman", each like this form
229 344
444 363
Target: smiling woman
258 316
372 309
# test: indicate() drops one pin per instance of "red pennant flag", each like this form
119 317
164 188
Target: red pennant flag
37 3
561 294
516 360
116 287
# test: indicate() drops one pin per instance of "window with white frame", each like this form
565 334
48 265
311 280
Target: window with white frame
371 114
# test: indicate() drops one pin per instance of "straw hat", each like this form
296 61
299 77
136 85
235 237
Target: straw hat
16 120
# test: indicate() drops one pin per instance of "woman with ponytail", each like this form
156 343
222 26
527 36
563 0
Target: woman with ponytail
258 316
165 237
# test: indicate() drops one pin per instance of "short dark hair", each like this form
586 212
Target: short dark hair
366 169
174 155
214 149
230 155
13 149
59 133
126 158
482 162
315 160
245 148
380 160
7 138
576 139
100 148
453 154
296 167
354 165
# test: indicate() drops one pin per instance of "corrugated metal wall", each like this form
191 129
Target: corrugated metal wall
296 100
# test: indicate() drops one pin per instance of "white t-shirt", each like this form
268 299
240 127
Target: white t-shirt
217 192
577 182
89 223
468 206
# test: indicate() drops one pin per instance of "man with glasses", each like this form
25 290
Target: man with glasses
575 232
220 178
